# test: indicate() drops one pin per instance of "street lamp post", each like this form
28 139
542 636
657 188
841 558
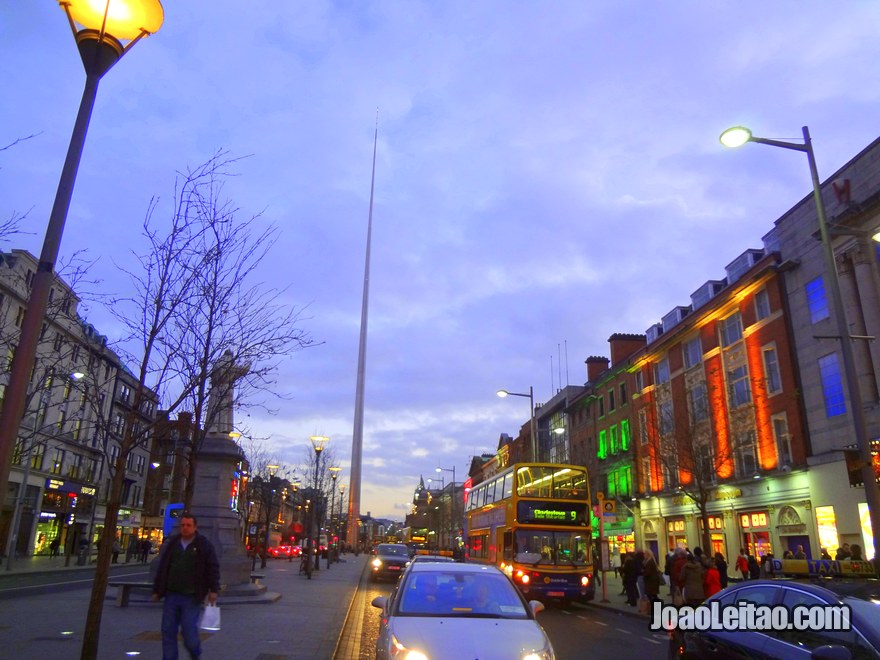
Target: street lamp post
344 534
453 508
100 47
531 398
268 499
334 473
318 442
737 136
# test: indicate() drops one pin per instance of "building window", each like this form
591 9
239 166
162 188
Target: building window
602 451
91 469
661 371
646 474
738 382
762 304
114 454
119 426
746 458
731 330
37 454
62 416
640 381
77 429
74 470
624 435
19 317
612 432
816 300
832 385
667 423
140 463
704 463
57 462
783 441
124 393
771 370
623 398
611 404
643 427
698 402
693 353
601 406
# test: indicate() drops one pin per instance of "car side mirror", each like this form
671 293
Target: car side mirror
379 601
537 606
831 652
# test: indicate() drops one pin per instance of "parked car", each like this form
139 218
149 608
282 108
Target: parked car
862 640
389 561
296 550
451 610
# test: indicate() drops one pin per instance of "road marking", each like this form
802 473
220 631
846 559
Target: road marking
653 641
600 623
623 630
582 617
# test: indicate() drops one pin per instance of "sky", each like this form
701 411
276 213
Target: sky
547 174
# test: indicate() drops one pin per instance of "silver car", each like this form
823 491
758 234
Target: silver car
452 611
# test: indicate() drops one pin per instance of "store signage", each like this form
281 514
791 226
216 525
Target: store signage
73 489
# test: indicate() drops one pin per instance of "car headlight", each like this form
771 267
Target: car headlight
398 650
377 563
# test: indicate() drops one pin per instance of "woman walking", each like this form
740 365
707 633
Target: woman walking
652 578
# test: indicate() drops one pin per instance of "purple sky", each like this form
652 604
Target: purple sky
547 174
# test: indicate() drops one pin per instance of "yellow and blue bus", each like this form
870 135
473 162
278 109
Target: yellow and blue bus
533 521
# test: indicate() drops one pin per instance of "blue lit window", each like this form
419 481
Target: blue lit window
816 300
832 385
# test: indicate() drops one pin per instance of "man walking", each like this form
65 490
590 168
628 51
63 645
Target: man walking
188 574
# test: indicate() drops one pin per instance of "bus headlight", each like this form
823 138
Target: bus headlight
585 581
524 578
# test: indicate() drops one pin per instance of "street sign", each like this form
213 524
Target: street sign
600 495
609 508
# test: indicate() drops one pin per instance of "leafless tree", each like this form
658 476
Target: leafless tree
193 302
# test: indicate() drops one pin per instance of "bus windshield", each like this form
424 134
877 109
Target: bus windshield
551 548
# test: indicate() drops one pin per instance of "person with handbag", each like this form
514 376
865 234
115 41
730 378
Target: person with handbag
188 575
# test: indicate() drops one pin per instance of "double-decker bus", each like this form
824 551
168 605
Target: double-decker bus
533 521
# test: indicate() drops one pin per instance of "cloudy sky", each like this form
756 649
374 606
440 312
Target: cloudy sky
548 173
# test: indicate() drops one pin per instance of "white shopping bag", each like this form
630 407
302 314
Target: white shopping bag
210 618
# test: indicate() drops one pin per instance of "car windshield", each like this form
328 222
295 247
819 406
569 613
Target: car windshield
397 550
441 593
551 548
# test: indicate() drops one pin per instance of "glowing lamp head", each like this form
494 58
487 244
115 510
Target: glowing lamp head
735 137
125 19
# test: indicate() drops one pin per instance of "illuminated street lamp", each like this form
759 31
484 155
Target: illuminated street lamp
318 442
452 512
334 473
99 28
738 136
531 398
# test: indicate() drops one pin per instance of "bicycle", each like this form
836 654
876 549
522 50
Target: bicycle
305 565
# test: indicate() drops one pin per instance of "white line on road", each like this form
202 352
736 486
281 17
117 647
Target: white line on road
624 631
600 623
653 641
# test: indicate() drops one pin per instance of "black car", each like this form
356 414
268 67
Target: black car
861 641
389 562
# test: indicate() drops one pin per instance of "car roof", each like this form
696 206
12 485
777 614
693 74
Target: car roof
446 567
831 590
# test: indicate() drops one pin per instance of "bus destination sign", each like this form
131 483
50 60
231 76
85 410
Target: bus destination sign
552 513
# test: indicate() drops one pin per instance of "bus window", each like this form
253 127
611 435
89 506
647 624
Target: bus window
508 486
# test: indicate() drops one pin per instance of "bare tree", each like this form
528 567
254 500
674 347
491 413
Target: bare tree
192 293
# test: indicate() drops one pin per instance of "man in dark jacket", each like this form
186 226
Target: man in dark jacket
188 575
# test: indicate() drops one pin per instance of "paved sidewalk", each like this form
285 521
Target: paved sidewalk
46 564
305 623
617 602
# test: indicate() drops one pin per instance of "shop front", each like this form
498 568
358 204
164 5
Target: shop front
755 527
676 533
716 535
